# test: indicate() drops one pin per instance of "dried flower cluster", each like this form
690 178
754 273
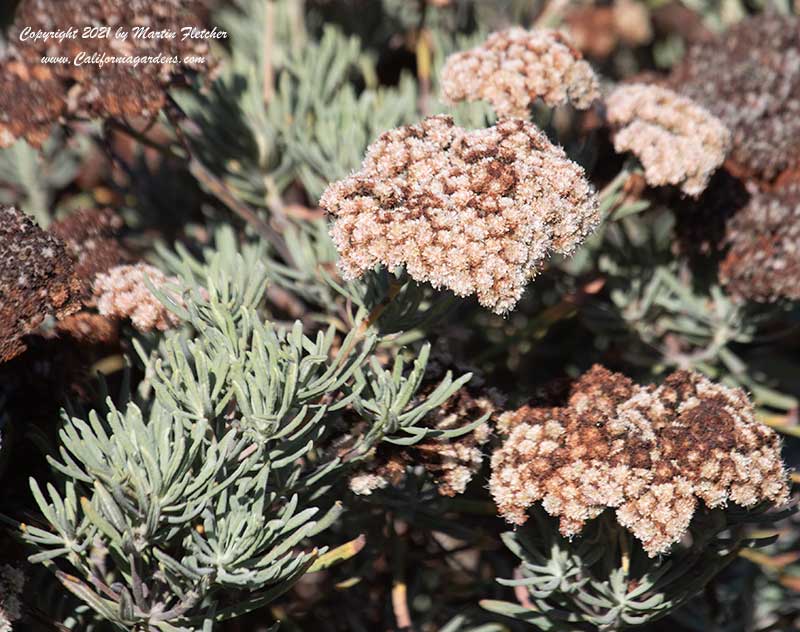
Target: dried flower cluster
651 453
123 293
451 463
763 260
514 67
597 29
36 95
12 581
91 237
677 141
37 279
476 212
750 79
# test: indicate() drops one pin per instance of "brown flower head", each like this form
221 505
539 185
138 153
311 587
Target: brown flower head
515 67
37 279
651 453
476 212
90 236
37 95
763 260
677 141
750 79
123 293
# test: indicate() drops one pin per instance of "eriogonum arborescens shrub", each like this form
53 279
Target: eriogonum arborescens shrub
678 141
651 454
515 67
472 211
255 427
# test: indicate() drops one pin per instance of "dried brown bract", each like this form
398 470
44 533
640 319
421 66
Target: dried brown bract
123 293
763 260
651 453
37 279
677 141
476 212
36 95
750 79
515 67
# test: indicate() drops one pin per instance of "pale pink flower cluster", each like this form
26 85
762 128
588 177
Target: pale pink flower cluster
12 581
677 141
650 453
514 67
476 212
122 293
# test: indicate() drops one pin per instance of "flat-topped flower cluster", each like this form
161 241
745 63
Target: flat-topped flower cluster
515 67
476 212
651 454
677 141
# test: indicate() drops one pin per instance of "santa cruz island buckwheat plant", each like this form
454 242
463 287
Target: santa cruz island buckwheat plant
428 315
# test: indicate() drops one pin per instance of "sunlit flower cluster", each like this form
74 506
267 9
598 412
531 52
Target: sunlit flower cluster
122 292
515 67
476 212
650 453
677 141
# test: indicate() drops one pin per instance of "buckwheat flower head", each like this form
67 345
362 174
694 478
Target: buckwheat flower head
749 77
12 581
365 483
649 453
514 67
763 260
677 141
122 293
91 237
476 212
